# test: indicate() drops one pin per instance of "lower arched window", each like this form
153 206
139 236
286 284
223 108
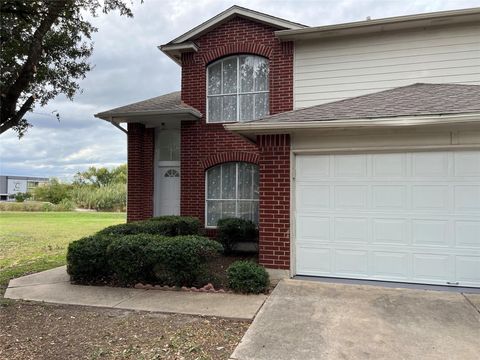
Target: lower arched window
231 191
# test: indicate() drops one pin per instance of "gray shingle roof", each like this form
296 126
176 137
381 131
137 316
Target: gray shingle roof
168 103
412 100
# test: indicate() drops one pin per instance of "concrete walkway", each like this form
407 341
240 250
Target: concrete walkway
305 320
54 286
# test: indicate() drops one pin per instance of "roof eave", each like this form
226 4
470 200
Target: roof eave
380 25
259 127
174 51
111 117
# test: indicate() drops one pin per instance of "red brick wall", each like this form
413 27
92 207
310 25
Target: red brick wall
140 172
274 223
204 145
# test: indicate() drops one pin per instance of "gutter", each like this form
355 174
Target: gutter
384 24
109 117
392 122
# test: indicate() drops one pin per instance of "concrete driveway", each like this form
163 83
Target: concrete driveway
313 320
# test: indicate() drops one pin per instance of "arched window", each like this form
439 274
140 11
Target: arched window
232 191
237 89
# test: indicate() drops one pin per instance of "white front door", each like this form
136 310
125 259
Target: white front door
167 172
407 217
168 194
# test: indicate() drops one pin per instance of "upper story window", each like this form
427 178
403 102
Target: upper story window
237 89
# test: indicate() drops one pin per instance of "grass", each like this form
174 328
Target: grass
37 241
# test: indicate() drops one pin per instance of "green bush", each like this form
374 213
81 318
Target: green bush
168 226
54 191
179 225
87 258
133 257
247 277
182 259
176 260
232 231
21 197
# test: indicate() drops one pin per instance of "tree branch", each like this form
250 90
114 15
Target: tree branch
27 72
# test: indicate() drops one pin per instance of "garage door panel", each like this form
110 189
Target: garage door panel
313 197
391 165
390 265
351 196
314 261
430 232
467 233
467 197
467 268
467 164
430 164
390 231
430 197
389 197
354 165
412 217
351 229
352 263
314 227
310 167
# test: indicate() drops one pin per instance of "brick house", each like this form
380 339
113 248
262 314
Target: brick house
355 147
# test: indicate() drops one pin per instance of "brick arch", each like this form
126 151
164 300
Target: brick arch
233 156
237 48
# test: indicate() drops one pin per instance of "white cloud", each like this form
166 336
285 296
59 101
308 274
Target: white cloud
129 67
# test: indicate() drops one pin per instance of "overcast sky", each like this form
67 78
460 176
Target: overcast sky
128 67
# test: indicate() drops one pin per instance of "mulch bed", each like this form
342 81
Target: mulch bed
46 331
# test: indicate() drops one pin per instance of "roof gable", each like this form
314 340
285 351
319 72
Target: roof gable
229 14
185 43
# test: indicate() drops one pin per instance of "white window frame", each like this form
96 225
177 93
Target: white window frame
238 93
236 199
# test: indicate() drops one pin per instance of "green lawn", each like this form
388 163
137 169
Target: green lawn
36 241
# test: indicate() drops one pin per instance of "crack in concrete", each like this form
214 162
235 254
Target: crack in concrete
471 303
130 297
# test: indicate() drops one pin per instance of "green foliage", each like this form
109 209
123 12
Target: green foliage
167 226
87 258
232 231
182 259
132 257
21 197
247 277
54 191
178 225
112 197
44 51
176 260
99 177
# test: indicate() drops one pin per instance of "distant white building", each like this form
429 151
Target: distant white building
12 185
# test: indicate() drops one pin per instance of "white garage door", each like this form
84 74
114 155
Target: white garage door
408 217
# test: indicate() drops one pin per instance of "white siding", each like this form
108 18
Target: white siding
335 69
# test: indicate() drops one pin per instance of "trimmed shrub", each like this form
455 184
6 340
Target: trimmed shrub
232 231
179 225
87 258
167 226
182 259
247 277
132 257
176 260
